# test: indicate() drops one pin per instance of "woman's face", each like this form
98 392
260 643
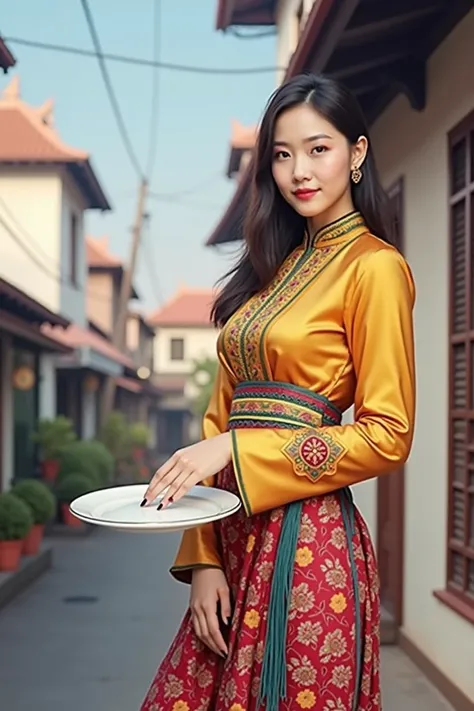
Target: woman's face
312 164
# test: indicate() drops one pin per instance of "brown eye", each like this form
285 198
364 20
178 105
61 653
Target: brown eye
319 149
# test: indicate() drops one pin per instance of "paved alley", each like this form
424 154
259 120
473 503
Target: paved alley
90 633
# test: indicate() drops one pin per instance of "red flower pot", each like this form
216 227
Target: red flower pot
32 542
50 469
138 453
10 554
69 519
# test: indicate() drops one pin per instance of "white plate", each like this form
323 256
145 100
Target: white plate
119 507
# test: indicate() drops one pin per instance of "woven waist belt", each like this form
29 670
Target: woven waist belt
280 405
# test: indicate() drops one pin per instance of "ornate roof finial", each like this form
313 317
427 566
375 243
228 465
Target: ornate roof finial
45 113
12 90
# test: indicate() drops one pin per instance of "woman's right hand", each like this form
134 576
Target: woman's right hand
209 586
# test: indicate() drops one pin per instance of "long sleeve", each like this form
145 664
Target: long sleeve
275 466
199 546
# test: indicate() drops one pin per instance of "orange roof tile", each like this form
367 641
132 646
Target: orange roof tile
133 386
243 137
27 135
189 307
98 255
76 337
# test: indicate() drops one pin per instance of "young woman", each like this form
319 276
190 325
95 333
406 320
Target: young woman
316 317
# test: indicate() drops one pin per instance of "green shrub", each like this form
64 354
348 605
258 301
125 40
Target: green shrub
72 486
38 497
90 458
102 459
115 435
139 435
53 435
16 518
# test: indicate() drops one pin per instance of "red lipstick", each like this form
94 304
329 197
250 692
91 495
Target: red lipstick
304 193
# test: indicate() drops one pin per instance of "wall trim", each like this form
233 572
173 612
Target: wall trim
445 686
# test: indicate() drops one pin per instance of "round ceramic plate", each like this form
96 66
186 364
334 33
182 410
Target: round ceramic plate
119 507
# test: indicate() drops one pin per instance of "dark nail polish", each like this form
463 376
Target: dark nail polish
171 499
224 654
159 507
143 502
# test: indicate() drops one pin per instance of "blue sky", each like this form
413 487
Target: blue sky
193 126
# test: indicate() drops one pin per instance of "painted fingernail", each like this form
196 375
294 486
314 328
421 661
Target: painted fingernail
159 507
224 654
171 499
143 502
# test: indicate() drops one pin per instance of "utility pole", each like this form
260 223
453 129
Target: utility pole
118 337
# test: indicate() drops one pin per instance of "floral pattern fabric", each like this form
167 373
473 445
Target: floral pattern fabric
321 652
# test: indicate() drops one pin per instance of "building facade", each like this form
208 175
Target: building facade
184 336
420 107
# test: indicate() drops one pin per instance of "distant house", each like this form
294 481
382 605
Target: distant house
46 187
25 354
242 142
411 66
135 395
184 334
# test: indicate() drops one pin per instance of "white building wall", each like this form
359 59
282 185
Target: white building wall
198 343
36 205
72 299
288 28
30 204
414 145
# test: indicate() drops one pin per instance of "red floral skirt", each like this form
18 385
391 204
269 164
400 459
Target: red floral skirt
321 649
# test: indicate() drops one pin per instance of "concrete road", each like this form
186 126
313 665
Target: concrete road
90 634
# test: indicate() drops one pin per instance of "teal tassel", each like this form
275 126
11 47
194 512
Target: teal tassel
273 681
348 515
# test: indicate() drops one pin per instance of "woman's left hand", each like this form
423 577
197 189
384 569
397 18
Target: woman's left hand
188 467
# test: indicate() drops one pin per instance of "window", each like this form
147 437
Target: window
177 349
460 581
73 245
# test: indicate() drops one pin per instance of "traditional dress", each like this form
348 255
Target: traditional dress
333 329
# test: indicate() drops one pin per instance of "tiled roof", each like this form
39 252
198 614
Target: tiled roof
77 337
98 255
133 386
189 307
243 137
27 135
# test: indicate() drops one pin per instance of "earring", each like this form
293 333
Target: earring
356 175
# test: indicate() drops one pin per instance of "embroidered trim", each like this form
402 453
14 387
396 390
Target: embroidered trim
282 405
313 454
341 227
243 337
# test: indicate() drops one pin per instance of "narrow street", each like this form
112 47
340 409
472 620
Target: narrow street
91 632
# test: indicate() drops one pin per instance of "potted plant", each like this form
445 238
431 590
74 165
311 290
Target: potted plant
42 504
69 488
88 457
16 521
139 438
53 436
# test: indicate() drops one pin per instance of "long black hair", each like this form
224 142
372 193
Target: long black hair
272 229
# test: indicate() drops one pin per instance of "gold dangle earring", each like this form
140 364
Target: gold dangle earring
356 175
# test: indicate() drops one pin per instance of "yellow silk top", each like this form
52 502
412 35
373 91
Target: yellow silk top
337 320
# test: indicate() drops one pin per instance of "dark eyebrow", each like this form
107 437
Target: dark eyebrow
310 139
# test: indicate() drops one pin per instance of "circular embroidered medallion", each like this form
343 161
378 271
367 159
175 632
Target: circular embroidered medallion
314 451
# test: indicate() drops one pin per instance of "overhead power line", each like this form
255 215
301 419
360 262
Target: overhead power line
110 90
124 59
